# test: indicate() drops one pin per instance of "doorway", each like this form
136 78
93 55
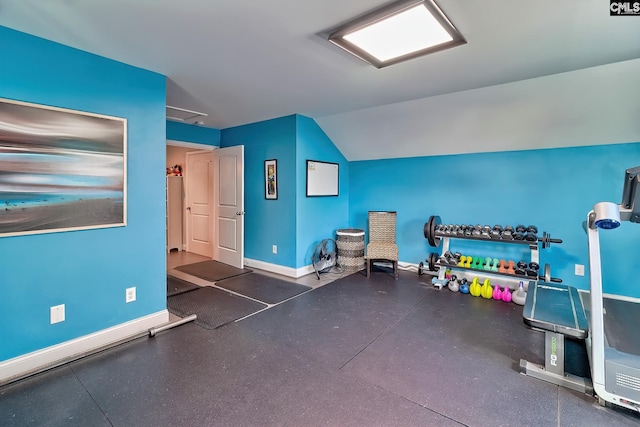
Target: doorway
212 200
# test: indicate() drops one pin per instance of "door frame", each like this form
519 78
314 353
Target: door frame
202 148
194 147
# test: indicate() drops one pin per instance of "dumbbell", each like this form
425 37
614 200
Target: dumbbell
511 267
503 266
521 228
446 258
478 262
494 266
469 261
533 268
474 262
487 263
455 258
486 232
507 233
521 268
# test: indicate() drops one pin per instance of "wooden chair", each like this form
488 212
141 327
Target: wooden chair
382 240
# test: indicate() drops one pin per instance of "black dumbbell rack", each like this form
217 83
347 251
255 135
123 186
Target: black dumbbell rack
435 234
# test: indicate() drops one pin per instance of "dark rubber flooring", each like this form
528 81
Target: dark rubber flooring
355 352
264 288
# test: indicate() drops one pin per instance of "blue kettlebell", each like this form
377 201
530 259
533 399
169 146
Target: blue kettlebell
464 286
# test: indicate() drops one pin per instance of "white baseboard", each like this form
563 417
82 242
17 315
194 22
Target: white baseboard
58 354
279 269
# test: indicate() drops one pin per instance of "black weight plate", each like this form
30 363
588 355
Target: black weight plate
433 241
433 259
427 227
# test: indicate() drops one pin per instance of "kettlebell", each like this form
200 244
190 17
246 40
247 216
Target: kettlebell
486 291
506 294
464 286
453 285
497 292
474 288
519 296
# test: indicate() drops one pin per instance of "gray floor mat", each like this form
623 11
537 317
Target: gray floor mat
214 307
212 271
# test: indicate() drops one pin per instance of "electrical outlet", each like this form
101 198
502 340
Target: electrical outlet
130 295
56 314
274 248
579 270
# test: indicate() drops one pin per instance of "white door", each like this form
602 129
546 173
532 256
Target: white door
199 202
229 206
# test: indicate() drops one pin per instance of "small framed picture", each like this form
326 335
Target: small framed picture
271 179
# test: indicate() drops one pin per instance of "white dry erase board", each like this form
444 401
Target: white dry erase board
322 178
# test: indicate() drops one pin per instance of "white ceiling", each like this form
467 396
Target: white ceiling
242 62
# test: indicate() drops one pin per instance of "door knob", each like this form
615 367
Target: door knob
188 208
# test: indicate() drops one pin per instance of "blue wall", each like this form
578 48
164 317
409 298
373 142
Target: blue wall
268 222
293 222
318 217
88 271
553 189
177 131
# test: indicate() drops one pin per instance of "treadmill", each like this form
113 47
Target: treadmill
614 359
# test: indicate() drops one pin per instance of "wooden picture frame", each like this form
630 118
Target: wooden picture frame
271 179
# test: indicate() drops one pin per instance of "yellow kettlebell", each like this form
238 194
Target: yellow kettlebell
486 290
474 288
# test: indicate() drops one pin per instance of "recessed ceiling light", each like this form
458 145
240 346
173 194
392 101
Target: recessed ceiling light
398 32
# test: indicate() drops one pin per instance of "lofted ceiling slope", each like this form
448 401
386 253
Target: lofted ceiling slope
244 62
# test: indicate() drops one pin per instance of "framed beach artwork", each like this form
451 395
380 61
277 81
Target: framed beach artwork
271 179
60 169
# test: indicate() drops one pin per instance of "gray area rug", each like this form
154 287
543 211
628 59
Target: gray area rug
212 271
214 307
263 288
177 286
